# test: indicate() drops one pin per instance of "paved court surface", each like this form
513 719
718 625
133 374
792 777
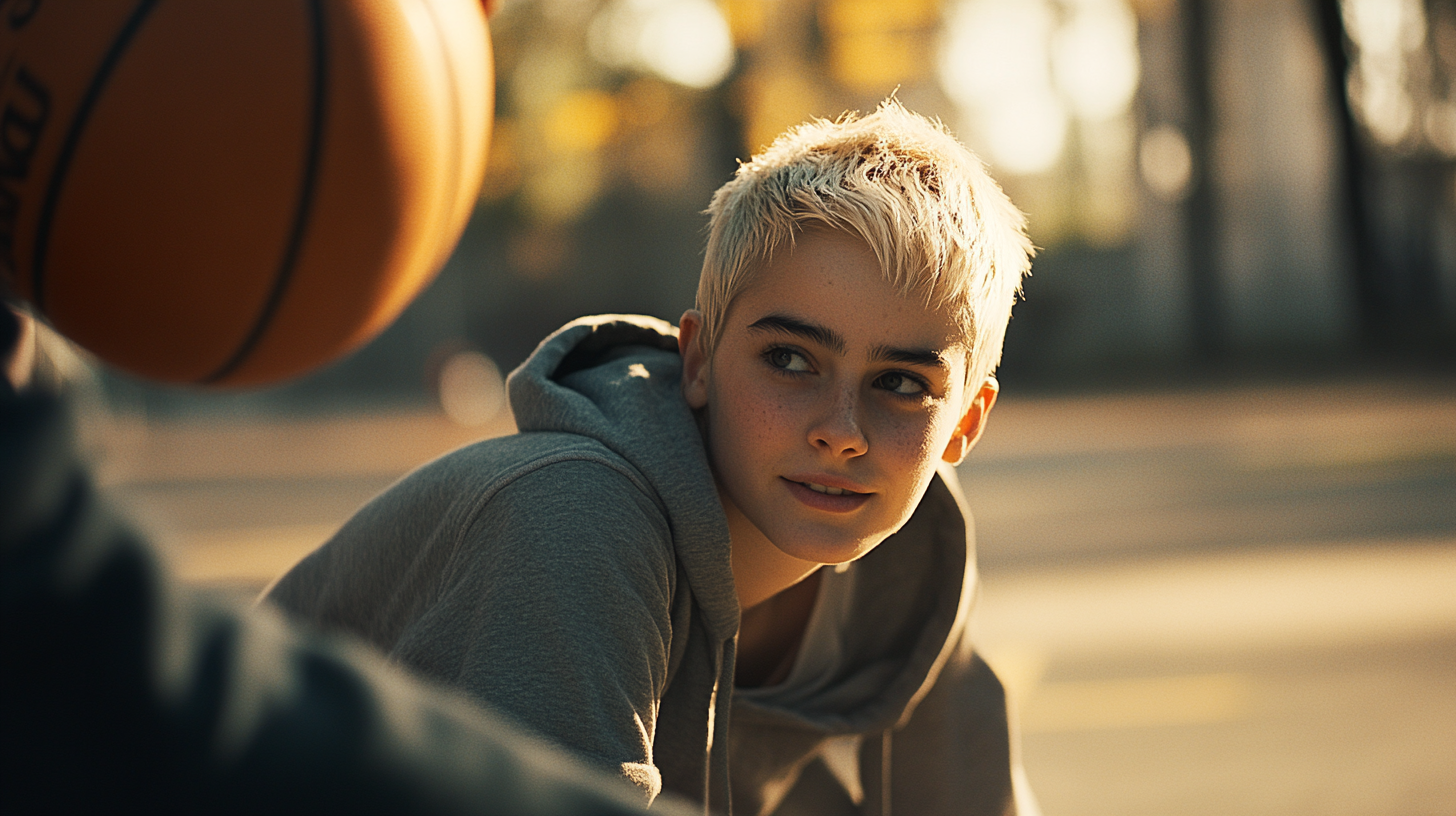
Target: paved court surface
1297 681
1227 601
1211 601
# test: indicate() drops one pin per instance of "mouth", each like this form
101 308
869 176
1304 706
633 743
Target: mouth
827 490
827 497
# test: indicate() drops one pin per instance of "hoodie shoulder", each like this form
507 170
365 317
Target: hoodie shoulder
617 379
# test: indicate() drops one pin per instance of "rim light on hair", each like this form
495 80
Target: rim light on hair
943 230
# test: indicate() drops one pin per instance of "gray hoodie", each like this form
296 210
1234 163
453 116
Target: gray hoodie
576 577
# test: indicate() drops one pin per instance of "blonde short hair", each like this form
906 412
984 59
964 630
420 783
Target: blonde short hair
942 229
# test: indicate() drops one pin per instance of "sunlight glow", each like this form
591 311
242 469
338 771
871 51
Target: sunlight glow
1020 69
1384 32
1095 59
683 41
1029 135
995 50
995 65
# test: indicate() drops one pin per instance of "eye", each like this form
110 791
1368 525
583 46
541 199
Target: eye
787 359
901 384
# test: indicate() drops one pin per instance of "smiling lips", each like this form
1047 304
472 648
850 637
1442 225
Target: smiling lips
831 498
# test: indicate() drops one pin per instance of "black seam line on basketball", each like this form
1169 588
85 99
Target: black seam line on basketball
457 154
306 192
73 139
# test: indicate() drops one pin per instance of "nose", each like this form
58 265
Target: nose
837 430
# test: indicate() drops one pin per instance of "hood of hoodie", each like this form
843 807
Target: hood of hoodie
616 379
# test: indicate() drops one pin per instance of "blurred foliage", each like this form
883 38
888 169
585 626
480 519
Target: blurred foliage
1146 139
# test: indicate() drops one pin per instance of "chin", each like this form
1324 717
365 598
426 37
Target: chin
827 549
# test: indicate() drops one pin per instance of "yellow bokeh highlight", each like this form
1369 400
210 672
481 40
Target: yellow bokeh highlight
875 45
746 20
875 60
560 192
772 102
644 103
878 15
580 122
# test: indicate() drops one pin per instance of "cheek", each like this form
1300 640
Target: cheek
751 421
912 447
906 436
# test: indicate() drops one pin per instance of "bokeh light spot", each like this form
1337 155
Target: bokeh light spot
1166 162
687 42
472 391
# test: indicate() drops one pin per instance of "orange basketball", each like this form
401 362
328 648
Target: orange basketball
232 191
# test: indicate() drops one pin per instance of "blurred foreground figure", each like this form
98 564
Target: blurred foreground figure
121 691
125 692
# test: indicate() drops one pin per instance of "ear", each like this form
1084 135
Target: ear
968 430
694 358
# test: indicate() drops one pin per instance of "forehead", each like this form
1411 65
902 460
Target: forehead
833 279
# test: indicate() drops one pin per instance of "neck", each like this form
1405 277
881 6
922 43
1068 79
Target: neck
760 570
774 601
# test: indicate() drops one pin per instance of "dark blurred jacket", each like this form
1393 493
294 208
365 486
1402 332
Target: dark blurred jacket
122 692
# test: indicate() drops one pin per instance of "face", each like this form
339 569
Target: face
829 400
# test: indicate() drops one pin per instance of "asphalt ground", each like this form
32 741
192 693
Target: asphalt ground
1231 599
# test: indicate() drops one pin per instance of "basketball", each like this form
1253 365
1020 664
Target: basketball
234 192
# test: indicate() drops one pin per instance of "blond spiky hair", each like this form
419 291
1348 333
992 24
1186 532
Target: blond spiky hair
942 229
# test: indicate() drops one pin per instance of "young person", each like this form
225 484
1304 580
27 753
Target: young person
730 560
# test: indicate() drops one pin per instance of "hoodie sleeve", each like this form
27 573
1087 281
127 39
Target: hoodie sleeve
556 611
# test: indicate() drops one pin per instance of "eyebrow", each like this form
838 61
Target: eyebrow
914 356
823 335
833 340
